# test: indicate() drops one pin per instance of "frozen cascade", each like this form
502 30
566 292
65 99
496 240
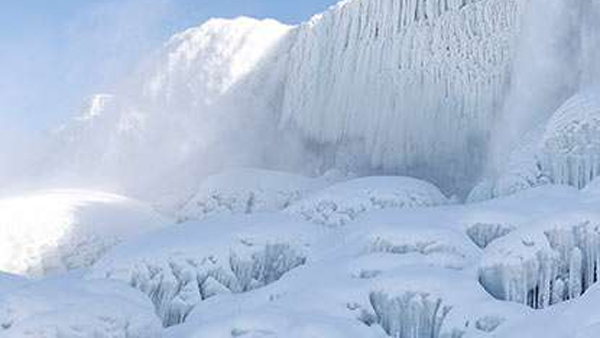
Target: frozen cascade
540 267
371 55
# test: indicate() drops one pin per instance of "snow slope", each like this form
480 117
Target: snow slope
52 231
69 308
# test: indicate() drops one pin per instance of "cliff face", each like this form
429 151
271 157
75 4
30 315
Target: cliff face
414 85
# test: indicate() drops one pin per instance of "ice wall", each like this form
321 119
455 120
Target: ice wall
409 86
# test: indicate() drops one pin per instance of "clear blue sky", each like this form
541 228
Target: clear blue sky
53 53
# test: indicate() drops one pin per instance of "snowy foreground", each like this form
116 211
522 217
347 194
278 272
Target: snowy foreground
492 107
307 258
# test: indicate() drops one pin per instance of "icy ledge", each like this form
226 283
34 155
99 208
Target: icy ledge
179 267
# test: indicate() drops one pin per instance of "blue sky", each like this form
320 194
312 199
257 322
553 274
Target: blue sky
54 53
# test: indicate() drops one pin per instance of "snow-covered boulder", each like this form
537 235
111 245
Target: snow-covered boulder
344 202
550 261
54 231
71 308
246 191
399 238
570 146
181 266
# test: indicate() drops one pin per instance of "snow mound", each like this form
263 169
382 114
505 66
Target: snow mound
246 191
570 146
548 262
344 202
182 266
54 231
70 308
412 240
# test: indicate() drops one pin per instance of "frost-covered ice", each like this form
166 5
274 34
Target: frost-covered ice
53 231
188 263
344 202
71 308
246 191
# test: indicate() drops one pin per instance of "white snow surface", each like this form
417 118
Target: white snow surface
47 232
68 307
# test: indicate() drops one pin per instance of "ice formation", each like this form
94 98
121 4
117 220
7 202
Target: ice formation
69 308
546 263
179 267
246 191
570 147
53 231
344 202
370 86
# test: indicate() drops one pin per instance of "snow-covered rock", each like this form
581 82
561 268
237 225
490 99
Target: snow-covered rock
246 191
181 266
553 260
72 308
54 231
344 202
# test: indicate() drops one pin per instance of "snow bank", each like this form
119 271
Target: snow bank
71 308
344 202
184 265
246 191
54 231
550 261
